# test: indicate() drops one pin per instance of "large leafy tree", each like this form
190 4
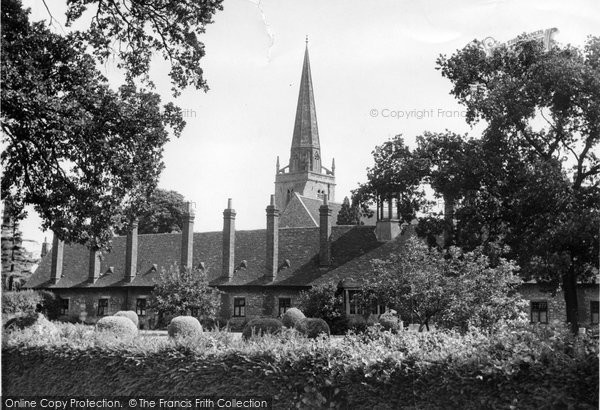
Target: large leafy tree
181 291
541 195
396 176
452 288
162 213
134 31
81 153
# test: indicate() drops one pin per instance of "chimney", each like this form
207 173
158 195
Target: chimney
131 254
57 259
94 266
44 248
272 239
228 240
187 237
387 229
325 233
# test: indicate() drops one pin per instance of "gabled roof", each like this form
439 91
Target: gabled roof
298 245
303 211
351 272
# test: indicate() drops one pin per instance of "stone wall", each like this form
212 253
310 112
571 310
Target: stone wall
586 293
259 303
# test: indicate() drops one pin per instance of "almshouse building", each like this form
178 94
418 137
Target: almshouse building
261 272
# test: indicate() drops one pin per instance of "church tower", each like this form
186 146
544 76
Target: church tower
304 175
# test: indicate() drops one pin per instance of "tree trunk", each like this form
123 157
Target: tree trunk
570 290
448 220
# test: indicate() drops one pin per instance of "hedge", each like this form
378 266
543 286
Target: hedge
520 369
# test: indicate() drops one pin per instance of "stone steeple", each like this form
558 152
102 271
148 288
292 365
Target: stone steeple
305 154
305 175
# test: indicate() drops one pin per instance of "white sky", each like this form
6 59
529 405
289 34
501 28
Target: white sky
365 56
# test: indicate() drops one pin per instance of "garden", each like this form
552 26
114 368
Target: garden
297 363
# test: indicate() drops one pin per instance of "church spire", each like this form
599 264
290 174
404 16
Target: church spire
305 155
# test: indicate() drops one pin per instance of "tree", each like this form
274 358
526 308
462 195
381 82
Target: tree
515 89
181 291
17 261
322 301
455 289
83 155
163 213
141 29
349 214
397 174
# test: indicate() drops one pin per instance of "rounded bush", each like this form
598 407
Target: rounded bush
389 321
313 327
358 324
118 325
129 314
34 321
291 317
259 327
184 326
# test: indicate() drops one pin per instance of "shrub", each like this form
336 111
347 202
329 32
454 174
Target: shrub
259 327
22 302
184 326
118 325
313 327
129 314
291 317
49 304
524 368
389 321
357 324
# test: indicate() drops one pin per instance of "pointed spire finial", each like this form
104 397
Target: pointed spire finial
306 40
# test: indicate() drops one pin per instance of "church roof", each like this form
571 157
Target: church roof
304 211
298 245
306 131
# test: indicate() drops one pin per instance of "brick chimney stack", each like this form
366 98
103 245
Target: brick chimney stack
57 259
187 237
94 266
131 253
324 233
228 240
272 240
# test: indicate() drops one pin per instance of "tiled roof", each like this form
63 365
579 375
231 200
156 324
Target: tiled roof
353 270
298 245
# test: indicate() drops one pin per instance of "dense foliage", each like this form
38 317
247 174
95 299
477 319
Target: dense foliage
291 317
522 367
455 289
261 327
162 213
538 190
325 302
181 291
348 214
84 155
527 189
312 327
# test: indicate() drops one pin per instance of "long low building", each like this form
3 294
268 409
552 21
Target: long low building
261 272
